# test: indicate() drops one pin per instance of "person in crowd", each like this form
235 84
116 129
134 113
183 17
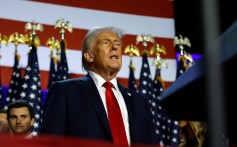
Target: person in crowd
4 127
78 107
20 116
193 133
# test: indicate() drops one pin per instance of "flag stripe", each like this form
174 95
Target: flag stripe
74 61
157 8
87 18
74 40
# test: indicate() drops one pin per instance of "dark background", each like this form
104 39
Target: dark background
188 20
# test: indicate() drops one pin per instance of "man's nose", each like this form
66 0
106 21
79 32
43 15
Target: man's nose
114 46
18 120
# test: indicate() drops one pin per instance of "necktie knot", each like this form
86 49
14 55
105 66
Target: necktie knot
107 85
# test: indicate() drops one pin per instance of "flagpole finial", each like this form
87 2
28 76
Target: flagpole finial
184 56
54 44
33 27
3 39
158 61
181 41
131 50
17 38
63 25
145 38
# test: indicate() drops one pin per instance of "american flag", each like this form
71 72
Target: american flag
145 88
167 135
180 68
52 71
168 128
153 17
183 63
31 87
62 66
16 82
131 79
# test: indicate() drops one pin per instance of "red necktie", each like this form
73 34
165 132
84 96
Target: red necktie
115 117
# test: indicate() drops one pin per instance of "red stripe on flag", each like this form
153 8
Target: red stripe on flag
156 8
74 40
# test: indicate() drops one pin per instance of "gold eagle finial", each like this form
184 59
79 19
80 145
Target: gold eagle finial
33 27
158 61
63 25
17 38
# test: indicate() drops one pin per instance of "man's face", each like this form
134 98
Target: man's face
107 53
20 121
3 123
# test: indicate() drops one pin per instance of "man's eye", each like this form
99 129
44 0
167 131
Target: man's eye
105 42
12 117
118 44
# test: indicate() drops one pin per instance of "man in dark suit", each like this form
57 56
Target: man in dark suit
78 107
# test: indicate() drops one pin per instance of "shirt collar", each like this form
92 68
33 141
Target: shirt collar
99 81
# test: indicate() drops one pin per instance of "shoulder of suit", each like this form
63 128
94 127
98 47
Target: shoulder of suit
71 81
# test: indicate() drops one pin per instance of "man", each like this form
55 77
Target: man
4 127
21 118
78 107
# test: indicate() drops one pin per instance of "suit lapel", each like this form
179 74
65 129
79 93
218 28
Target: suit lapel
93 95
128 98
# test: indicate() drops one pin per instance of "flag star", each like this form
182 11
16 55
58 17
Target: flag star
145 74
163 127
35 78
176 123
34 87
175 131
32 96
24 86
17 75
174 139
32 105
37 116
144 82
23 94
36 125
28 68
34 133
145 65
144 91
38 107
27 77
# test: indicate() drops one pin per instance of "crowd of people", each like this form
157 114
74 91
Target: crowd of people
80 107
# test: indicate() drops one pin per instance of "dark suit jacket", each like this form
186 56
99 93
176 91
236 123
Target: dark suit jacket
74 108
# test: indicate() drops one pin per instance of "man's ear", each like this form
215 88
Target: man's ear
88 56
32 121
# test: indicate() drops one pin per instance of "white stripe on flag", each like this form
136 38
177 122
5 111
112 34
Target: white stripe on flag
74 62
86 18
